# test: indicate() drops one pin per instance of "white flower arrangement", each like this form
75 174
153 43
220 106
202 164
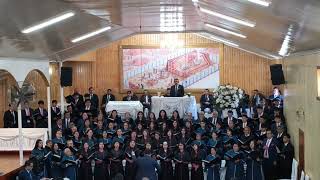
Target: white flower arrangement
227 96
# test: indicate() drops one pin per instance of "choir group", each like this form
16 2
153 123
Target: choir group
90 144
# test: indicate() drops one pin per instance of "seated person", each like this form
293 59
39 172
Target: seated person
206 100
130 97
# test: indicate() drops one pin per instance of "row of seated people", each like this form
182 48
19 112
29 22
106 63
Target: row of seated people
246 144
39 117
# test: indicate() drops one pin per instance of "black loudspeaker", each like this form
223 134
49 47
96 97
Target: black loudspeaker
277 76
66 76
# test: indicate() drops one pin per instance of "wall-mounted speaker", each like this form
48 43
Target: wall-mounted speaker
66 76
277 76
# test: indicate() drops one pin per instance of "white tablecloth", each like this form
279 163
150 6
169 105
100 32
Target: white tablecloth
9 138
169 104
133 107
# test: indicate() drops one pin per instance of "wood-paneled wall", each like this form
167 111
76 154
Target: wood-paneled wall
101 69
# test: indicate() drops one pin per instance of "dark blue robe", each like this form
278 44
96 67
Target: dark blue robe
213 169
55 164
235 166
69 169
254 166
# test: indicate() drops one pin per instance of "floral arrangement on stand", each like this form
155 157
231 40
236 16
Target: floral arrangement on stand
227 96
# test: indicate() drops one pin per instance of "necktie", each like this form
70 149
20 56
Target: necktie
108 98
214 121
90 96
14 117
27 112
266 151
207 98
54 109
146 99
41 111
176 90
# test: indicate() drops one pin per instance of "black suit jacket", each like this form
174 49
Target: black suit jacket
133 98
27 121
180 92
203 100
9 120
143 101
24 175
105 99
225 121
55 114
94 99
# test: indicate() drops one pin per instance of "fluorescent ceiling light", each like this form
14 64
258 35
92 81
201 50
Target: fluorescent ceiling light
260 2
226 31
90 34
239 21
48 22
215 38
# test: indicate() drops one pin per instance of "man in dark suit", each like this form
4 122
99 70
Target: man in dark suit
130 97
226 121
245 122
55 110
10 118
176 90
214 119
27 116
270 155
206 100
41 116
58 126
93 97
286 158
26 172
90 109
145 167
145 100
107 97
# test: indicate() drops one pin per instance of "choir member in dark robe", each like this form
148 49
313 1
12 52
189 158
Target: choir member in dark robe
165 156
162 117
226 121
270 156
141 119
234 164
55 162
131 154
189 127
197 155
246 138
77 140
59 139
156 142
184 138
115 157
171 140
286 157
128 119
254 163
163 130
152 129
100 168
85 170
47 150
212 165
201 143
139 131
38 157
26 173
175 129
99 129
175 117
151 118
214 142
90 139
145 138
228 140
69 165
114 118
181 159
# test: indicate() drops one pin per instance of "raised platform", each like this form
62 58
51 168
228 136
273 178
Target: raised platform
9 164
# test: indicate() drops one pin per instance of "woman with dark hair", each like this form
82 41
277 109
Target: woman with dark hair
115 118
165 156
163 130
152 128
175 117
38 157
162 118
171 140
87 125
100 168
115 158
131 154
214 142
212 163
141 119
90 139
55 162
151 118
85 172
181 159
254 163
197 156
144 140
176 129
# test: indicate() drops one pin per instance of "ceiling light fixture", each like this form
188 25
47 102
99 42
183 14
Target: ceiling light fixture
215 38
229 18
225 30
260 2
48 22
88 35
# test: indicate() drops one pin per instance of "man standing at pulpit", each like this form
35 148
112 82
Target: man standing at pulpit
176 90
